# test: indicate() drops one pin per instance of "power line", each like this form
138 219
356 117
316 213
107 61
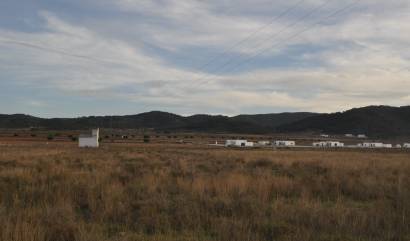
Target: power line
276 34
247 60
258 30
51 50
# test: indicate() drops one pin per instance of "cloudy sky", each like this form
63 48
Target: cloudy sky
67 58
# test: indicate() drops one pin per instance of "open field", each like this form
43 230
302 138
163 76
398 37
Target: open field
57 192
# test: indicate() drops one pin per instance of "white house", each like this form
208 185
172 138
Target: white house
372 145
90 140
263 143
387 146
324 136
398 146
238 143
319 144
335 144
285 143
349 135
328 144
361 136
406 145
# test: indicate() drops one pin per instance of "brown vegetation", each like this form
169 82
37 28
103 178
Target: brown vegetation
162 192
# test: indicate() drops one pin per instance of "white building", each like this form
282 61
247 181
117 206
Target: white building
387 146
398 146
406 145
324 136
372 145
238 143
328 144
319 144
263 143
349 135
285 143
90 140
362 136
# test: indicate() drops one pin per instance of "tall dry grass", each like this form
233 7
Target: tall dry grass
160 192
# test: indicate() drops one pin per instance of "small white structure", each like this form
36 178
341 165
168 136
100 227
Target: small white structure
319 144
361 136
263 143
371 145
349 135
406 145
285 143
398 146
238 143
387 146
90 140
324 136
328 144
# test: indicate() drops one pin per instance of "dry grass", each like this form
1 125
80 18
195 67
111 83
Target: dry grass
159 192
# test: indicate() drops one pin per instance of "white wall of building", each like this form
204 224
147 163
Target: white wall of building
285 143
90 141
374 145
328 144
238 143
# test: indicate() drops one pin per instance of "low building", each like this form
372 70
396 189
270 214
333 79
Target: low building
406 145
349 135
263 143
398 146
285 143
238 143
362 136
371 145
90 140
328 144
324 136
387 146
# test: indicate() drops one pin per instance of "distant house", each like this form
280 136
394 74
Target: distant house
90 140
398 146
263 143
349 135
372 145
238 143
387 146
324 136
328 144
285 143
361 136
406 145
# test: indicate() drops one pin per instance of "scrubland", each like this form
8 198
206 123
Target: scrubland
58 192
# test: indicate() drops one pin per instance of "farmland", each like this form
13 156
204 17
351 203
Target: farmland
163 191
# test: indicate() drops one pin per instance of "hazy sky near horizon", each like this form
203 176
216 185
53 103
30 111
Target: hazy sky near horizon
67 58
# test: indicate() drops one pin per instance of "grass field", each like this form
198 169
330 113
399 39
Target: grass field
58 192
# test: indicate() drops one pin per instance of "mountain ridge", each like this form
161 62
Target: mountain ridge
377 121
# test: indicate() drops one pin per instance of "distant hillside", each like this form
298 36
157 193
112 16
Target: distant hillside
162 121
274 120
375 121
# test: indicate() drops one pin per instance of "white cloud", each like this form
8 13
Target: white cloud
355 59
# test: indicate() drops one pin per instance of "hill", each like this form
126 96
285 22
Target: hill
375 121
161 121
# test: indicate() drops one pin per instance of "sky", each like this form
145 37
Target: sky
69 58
